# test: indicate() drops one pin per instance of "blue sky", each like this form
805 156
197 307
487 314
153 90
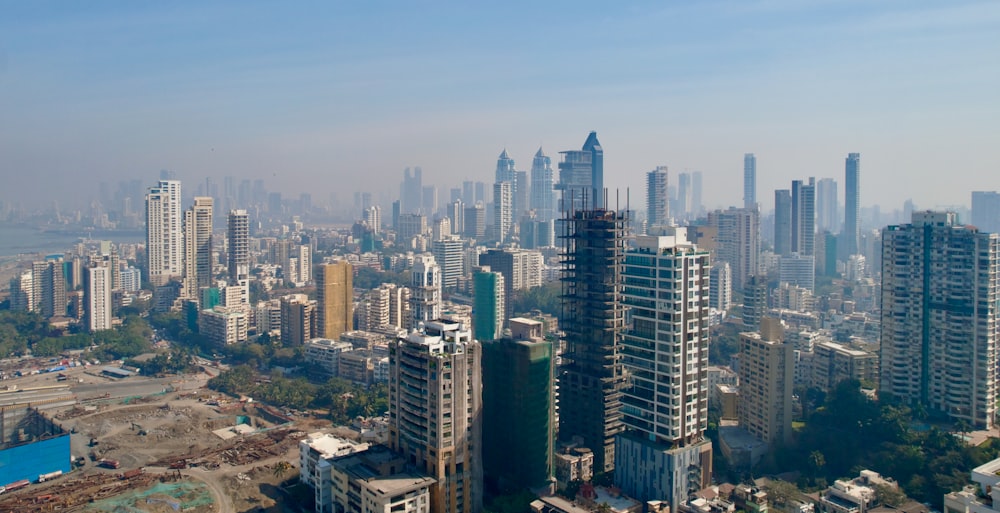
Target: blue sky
329 97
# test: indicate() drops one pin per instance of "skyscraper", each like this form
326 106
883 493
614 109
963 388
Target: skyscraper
591 377
49 288
435 411
543 196
695 206
663 454
164 232
852 203
754 301
657 202
683 203
939 317
448 253
411 191
198 247
581 176
505 168
335 295
749 180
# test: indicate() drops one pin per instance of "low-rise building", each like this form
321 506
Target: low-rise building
378 481
982 496
315 453
325 353
356 366
573 464
853 496
223 325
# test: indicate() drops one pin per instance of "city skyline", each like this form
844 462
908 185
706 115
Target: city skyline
306 100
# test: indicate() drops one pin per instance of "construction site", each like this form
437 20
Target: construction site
183 448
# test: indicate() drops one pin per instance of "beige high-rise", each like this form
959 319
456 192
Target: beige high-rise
335 293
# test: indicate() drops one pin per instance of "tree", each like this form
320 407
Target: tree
780 492
281 467
887 495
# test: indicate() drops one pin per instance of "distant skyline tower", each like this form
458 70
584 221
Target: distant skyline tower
335 297
164 232
783 222
581 177
695 206
198 246
804 217
737 241
852 203
939 337
543 195
505 168
591 376
749 180
657 201
827 205
985 210
663 453
411 191
503 211
683 204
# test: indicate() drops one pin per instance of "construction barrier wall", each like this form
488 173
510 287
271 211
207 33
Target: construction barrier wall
31 460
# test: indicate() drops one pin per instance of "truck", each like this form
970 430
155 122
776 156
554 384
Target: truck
129 474
50 476
107 463
16 485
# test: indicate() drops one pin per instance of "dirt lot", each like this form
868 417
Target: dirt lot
172 429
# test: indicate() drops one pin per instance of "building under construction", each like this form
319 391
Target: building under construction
32 445
591 376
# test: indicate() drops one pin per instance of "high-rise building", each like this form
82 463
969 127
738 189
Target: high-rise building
335 294
198 247
22 294
298 319
97 298
49 288
521 270
543 195
749 180
657 202
435 411
663 453
488 304
754 301
986 211
782 222
373 218
505 168
456 213
521 194
449 254
737 241
475 221
682 205
591 376
852 203
518 408
767 375
721 287
695 206
581 176
939 337
804 217
425 289
503 211
827 206
164 232
796 269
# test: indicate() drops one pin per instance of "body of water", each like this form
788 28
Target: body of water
18 239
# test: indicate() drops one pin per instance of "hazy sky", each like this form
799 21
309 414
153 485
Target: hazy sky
337 96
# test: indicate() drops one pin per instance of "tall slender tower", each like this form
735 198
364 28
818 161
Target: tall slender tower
782 222
749 180
164 232
503 211
581 176
593 146
591 377
657 202
737 241
435 411
543 196
97 296
425 298
939 317
198 247
804 217
852 203
767 373
664 454
335 294
827 205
